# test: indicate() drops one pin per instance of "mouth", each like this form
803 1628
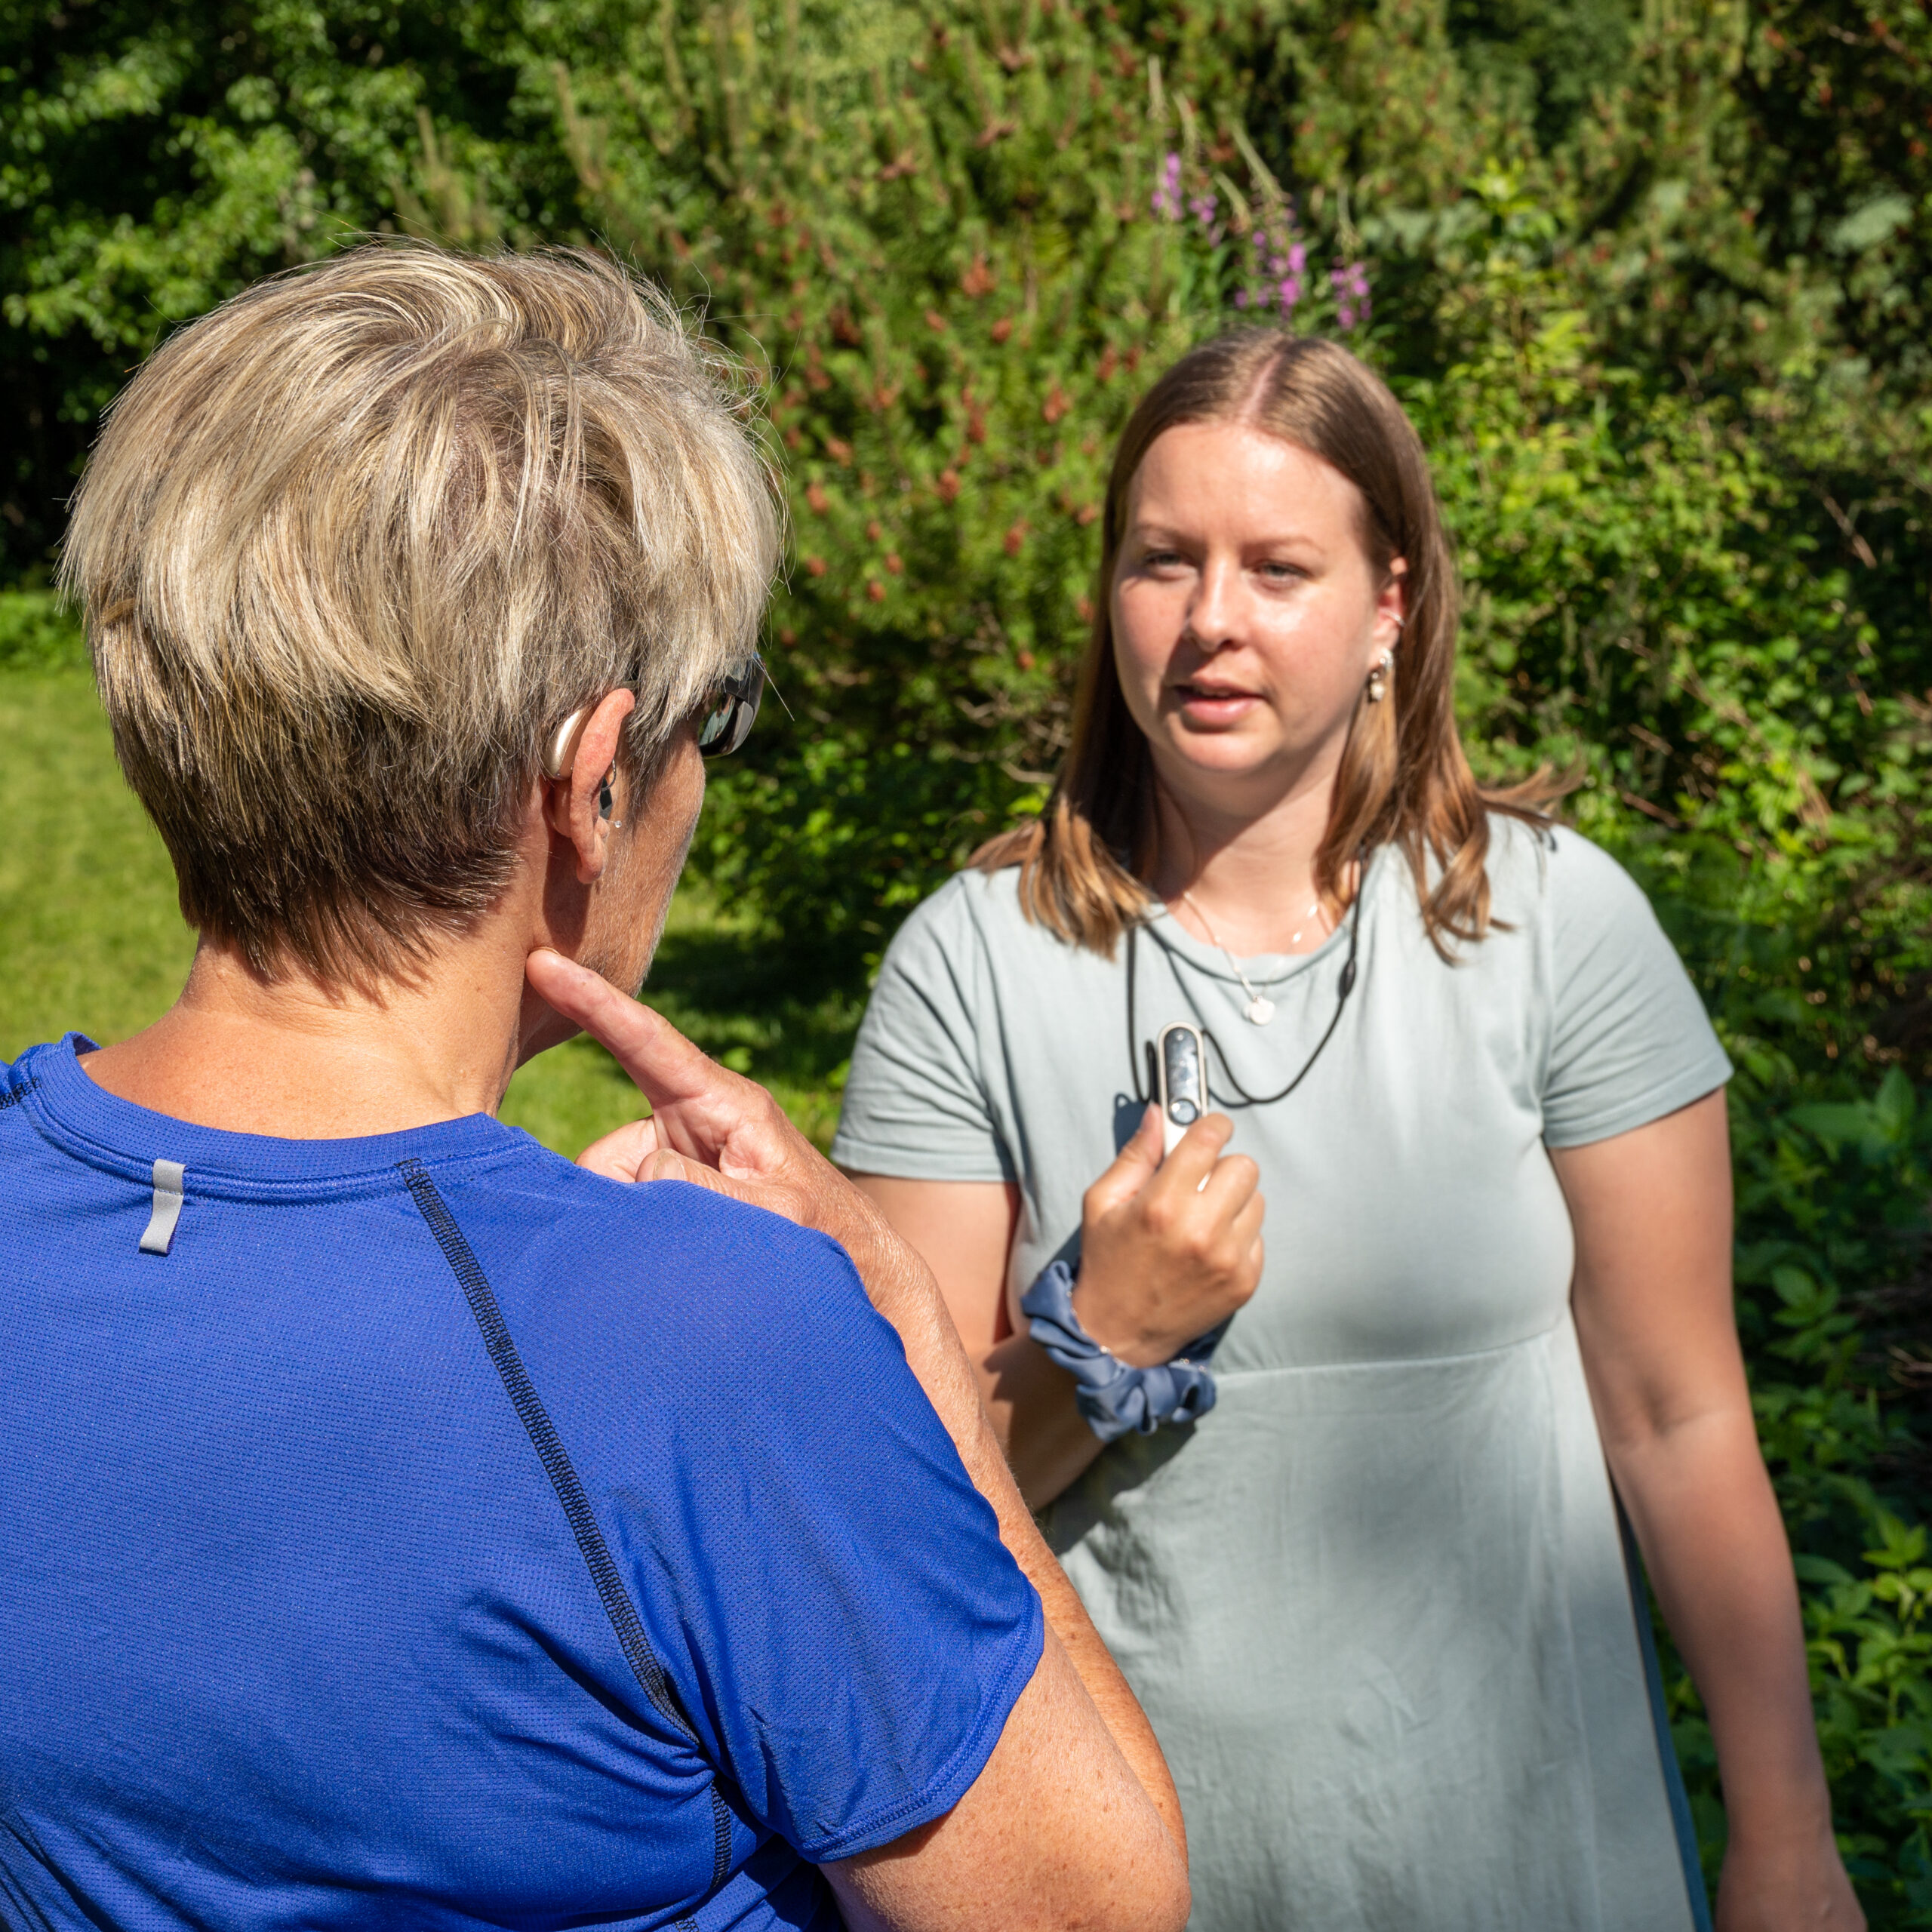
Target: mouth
1214 703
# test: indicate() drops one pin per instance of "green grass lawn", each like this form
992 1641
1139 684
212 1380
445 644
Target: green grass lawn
94 941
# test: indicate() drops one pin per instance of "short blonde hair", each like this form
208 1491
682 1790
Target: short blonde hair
351 546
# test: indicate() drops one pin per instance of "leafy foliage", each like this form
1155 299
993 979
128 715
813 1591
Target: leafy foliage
1651 280
1830 1257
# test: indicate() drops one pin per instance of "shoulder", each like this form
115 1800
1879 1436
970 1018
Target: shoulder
973 921
981 907
606 1269
1553 877
1628 1039
19 1078
675 1336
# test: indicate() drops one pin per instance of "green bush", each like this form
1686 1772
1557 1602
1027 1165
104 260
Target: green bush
36 634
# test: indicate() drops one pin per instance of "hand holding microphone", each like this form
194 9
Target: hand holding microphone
1169 1248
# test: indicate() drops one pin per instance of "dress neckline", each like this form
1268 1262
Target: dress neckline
1265 969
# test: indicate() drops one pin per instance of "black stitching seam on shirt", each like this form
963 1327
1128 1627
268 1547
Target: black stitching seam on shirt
555 1459
14 1096
720 1837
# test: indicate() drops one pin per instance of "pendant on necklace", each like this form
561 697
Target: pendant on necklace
1260 1010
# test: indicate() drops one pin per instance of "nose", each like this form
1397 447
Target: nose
1216 612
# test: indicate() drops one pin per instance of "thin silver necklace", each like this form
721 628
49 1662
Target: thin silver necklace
1259 1009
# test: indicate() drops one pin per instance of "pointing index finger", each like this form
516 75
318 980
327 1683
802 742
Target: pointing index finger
665 1065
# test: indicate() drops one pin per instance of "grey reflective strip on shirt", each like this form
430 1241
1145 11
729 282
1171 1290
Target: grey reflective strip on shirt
168 1177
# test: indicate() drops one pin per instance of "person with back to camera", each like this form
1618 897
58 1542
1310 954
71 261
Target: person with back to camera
406 1528
1348 1513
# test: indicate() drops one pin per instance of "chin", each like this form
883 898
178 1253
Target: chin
627 974
626 963
1223 754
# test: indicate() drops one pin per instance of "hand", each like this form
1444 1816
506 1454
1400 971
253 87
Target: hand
1787 1882
701 1114
1168 1249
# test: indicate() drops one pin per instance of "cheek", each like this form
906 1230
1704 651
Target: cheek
678 796
1314 644
1145 634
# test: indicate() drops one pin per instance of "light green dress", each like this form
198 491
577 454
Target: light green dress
1375 1603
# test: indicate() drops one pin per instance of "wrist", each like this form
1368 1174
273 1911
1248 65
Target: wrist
1779 1814
1125 1341
1116 1396
1095 1317
1778 1818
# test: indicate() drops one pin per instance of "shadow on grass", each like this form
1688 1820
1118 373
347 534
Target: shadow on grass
786 1017
757 1006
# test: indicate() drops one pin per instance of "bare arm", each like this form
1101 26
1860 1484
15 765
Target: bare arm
1074 1819
1042 1840
1652 1210
964 1229
1169 1249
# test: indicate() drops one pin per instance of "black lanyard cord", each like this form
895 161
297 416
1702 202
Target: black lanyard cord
1346 986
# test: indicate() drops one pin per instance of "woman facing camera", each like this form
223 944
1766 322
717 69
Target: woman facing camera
1348 1509
404 1527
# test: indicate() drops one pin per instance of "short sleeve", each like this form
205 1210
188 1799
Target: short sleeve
1630 1040
915 1104
825 1588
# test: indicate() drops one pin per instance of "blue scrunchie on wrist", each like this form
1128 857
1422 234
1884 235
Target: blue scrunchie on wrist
1116 1398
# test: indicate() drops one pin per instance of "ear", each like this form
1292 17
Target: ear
1391 608
571 803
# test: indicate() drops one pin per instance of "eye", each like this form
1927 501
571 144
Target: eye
1159 559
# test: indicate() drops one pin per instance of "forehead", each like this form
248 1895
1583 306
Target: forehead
1235 481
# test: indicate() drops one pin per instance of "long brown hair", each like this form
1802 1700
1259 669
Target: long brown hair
1404 780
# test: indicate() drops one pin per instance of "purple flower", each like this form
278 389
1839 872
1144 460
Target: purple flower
1202 208
1297 258
1240 298
1167 190
1290 292
1350 283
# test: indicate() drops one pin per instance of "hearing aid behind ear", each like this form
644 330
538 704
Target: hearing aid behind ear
560 754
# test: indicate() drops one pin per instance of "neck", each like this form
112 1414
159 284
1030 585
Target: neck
299 1061
1251 872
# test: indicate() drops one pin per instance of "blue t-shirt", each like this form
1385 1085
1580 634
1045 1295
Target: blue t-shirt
440 1536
